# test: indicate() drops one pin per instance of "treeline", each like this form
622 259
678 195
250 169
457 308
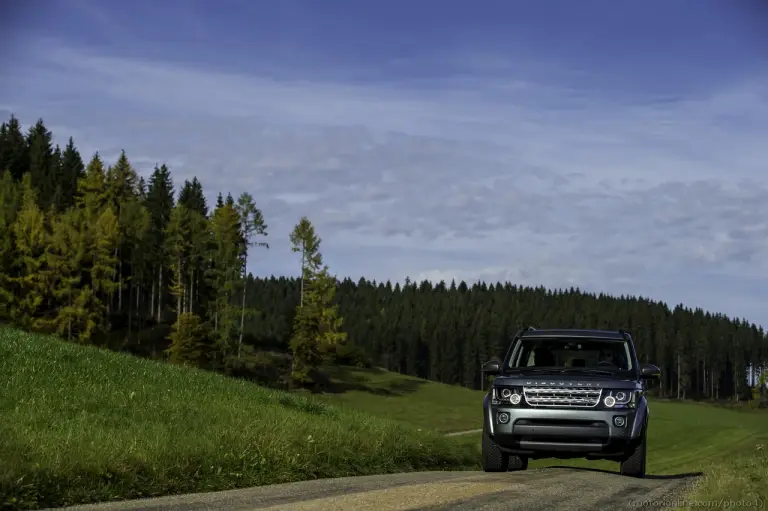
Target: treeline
94 253
445 332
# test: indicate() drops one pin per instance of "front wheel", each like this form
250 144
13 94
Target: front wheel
634 464
517 462
494 460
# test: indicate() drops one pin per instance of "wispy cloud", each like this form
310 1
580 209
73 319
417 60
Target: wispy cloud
483 175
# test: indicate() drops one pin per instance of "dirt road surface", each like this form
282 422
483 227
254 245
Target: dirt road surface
560 488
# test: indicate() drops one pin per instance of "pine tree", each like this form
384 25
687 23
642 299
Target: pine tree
224 271
178 245
189 344
193 198
67 252
15 155
31 243
10 201
251 224
135 222
92 189
160 204
304 240
42 165
104 241
317 323
72 171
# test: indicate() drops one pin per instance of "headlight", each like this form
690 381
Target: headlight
619 398
506 395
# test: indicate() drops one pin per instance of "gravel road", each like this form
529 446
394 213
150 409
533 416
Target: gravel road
556 488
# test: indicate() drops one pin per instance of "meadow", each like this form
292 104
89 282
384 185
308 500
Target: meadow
728 445
81 424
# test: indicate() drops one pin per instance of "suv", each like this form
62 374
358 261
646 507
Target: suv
567 394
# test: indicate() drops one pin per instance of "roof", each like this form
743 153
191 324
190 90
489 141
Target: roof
573 332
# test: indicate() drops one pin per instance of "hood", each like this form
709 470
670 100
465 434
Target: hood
566 380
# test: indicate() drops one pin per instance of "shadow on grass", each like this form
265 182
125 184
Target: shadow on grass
686 475
339 380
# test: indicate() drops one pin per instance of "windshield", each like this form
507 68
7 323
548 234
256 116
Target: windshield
584 354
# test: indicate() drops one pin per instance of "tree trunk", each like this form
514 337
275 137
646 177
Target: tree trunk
301 293
191 291
179 297
120 286
152 298
160 294
69 319
242 310
130 307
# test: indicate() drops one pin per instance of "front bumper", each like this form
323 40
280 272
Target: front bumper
556 432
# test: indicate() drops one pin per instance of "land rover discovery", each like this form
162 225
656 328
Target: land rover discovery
567 394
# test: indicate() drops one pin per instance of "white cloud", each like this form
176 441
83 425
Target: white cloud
470 179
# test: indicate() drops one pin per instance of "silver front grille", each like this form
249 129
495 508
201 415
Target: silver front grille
569 397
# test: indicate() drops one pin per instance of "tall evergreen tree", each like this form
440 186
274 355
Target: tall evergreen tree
251 224
10 202
160 205
317 322
30 236
72 170
43 165
15 153
304 240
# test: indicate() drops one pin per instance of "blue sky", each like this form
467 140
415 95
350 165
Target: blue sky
614 146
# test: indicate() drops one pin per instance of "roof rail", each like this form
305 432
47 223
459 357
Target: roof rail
623 333
523 330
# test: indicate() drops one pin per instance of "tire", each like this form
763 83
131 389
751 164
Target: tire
493 459
517 462
634 464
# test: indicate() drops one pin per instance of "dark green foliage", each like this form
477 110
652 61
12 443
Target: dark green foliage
191 196
72 169
43 167
14 150
189 341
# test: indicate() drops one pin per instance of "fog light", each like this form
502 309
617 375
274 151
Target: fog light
503 418
515 399
619 421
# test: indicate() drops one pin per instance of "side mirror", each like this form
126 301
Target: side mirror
493 367
649 371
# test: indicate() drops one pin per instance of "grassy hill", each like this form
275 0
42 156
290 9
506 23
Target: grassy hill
82 424
424 403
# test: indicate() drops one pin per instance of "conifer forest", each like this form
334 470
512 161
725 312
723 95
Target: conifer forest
95 253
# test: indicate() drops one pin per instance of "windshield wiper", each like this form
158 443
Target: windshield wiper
535 370
587 371
558 370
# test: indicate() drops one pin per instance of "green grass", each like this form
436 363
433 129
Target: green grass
407 399
728 446
686 437
740 475
80 424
